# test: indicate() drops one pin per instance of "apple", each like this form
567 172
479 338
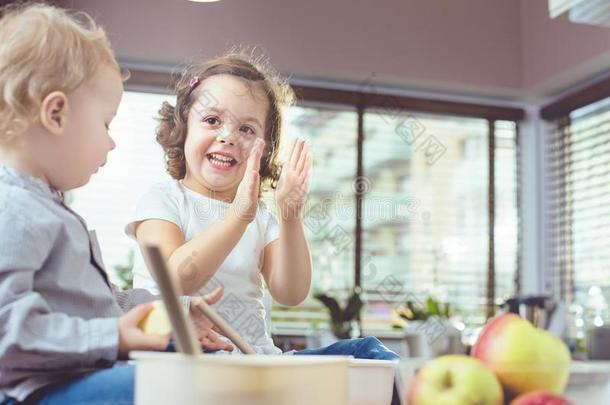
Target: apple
156 322
455 380
523 357
540 398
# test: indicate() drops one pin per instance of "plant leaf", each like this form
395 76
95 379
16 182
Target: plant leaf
332 305
432 306
353 307
418 313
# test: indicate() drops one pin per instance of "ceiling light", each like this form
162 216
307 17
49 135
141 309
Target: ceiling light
593 12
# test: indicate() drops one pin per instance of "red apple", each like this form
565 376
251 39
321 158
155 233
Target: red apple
524 358
455 380
539 398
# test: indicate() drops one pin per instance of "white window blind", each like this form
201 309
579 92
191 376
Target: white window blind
578 206
425 227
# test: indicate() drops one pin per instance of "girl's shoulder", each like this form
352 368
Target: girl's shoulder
167 190
166 195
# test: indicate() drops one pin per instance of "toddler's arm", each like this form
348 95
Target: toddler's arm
129 299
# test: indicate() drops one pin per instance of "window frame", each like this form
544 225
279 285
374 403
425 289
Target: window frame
369 97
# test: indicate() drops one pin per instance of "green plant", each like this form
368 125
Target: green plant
341 318
124 271
414 310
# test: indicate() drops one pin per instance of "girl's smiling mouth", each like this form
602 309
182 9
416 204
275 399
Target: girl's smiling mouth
221 160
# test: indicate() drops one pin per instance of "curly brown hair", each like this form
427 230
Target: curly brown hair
173 121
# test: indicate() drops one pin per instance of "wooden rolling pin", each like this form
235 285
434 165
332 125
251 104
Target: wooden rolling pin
224 326
184 331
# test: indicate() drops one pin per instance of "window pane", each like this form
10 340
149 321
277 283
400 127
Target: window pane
330 211
425 216
506 232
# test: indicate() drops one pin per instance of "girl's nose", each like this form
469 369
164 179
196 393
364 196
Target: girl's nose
226 135
228 140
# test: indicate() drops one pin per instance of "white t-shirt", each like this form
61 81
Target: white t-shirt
240 274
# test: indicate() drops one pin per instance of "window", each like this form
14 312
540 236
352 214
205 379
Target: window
578 210
423 182
425 216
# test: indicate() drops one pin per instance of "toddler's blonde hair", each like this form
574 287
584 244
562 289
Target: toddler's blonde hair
43 49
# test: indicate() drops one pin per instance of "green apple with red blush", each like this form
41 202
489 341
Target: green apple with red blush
524 358
455 380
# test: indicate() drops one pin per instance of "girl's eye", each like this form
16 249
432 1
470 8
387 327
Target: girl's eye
107 127
247 130
212 121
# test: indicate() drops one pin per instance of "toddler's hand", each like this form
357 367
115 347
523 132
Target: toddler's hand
245 203
293 185
131 336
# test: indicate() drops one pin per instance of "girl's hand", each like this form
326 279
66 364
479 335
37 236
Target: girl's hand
245 203
131 336
206 330
293 185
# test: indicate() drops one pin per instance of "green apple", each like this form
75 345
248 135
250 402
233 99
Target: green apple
156 322
523 357
539 398
455 380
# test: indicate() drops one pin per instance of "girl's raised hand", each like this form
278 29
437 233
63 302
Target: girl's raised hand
293 185
245 203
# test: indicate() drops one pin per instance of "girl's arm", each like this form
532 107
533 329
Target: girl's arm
287 265
194 262
287 262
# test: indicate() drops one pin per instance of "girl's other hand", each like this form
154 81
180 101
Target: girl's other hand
207 332
293 185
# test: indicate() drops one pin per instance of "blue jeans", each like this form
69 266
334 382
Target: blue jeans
116 385
364 348
105 387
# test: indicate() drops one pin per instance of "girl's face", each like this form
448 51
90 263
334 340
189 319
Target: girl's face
223 123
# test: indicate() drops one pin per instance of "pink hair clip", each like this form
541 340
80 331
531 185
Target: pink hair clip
193 83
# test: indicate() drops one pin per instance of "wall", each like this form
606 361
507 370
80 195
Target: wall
499 48
457 45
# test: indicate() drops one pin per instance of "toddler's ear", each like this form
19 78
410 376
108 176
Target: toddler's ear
53 112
